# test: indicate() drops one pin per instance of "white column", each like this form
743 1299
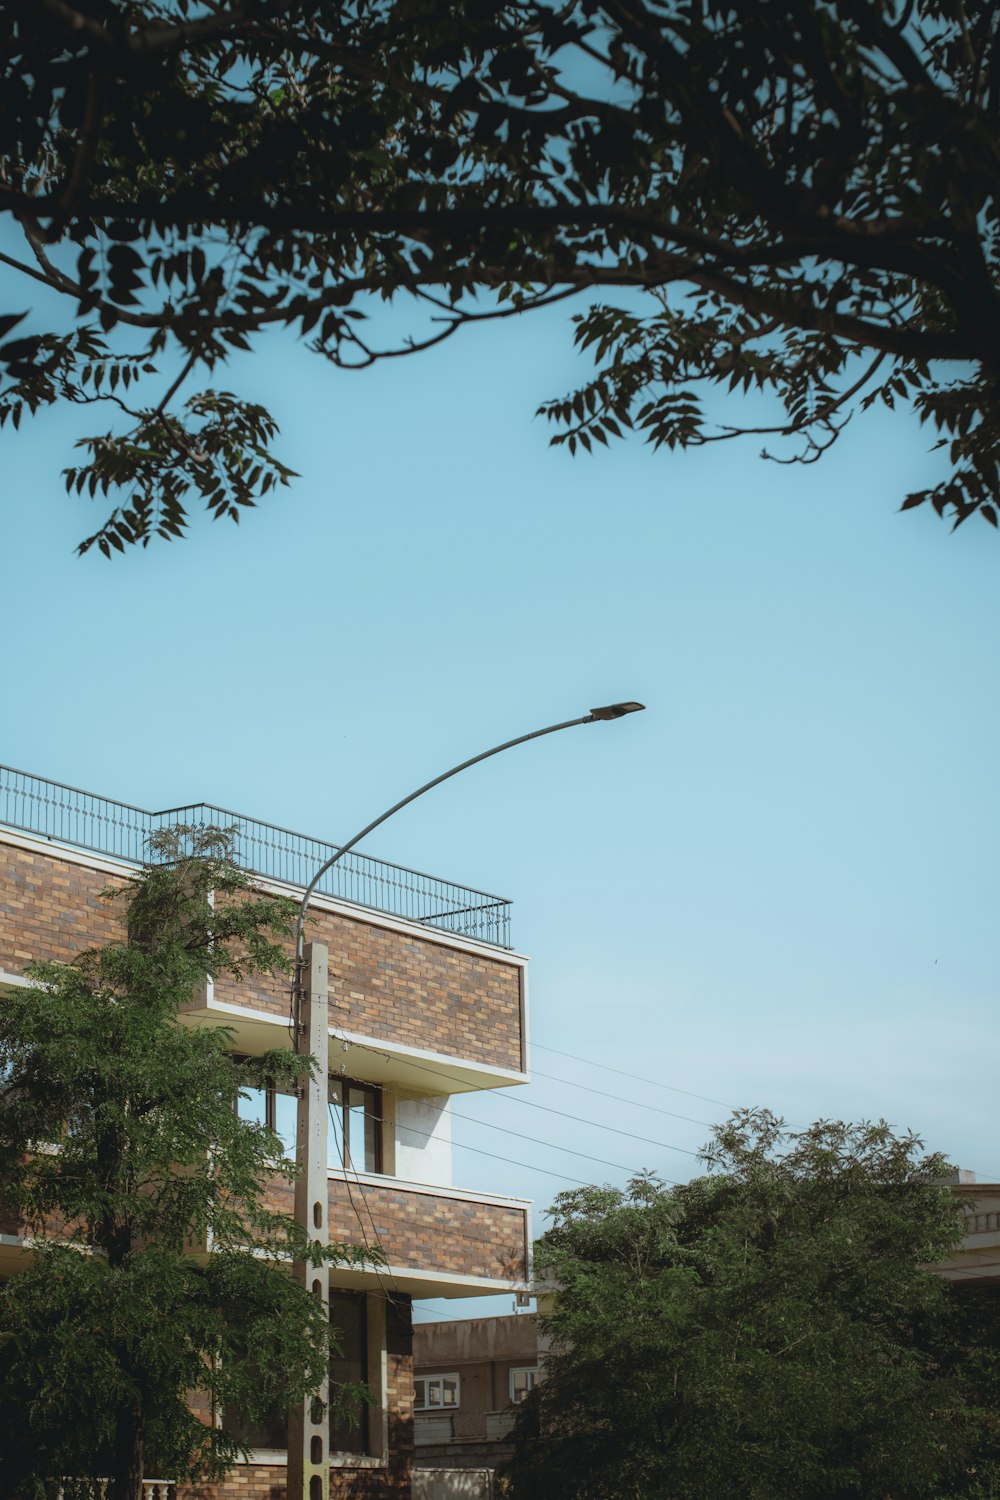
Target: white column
309 1439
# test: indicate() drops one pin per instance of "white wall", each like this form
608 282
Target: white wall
452 1484
423 1139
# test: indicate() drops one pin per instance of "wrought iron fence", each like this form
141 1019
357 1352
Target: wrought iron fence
70 816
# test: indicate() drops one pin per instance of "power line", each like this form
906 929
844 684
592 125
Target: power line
449 1317
960 1271
389 1180
465 1235
636 1078
347 1168
603 1094
529 1166
528 1104
655 1083
479 1239
599 1160
613 1129
345 1153
466 1317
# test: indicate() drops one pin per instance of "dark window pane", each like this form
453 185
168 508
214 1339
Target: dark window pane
267 1431
350 1366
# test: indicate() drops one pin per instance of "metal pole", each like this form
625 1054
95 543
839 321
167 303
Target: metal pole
308 1443
309 1424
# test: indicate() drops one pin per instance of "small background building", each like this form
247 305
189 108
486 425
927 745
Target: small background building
468 1377
976 1261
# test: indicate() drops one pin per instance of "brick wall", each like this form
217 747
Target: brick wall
404 988
394 985
424 1231
269 1482
50 908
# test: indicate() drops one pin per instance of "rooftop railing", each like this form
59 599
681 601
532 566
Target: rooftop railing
86 821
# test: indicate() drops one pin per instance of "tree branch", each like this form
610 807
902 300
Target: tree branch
67 18
86 152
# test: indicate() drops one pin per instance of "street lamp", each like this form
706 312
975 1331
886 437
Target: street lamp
596 715
308 1436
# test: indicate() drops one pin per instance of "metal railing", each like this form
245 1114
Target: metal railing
86 821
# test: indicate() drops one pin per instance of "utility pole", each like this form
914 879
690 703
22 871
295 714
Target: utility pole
309 1424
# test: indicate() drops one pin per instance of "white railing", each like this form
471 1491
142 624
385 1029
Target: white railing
499 1424
152 1489
982 1223
437 1427
453 1484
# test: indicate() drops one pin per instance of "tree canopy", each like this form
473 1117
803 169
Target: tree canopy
769 1331
792 197
122 1153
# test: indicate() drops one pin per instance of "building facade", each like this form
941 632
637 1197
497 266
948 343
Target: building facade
425 1001
976 1260
469 1376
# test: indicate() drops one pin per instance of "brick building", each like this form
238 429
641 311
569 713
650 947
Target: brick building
426 1000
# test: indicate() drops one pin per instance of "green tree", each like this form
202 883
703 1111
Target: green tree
799 196
120 1148
770 1331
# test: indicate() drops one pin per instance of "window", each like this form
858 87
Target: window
355 1139
355 1121
268 1107
436 1393
269 1431
350 1428
520 1381
353 1428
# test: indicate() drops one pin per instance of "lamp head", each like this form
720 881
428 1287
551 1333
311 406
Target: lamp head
616 710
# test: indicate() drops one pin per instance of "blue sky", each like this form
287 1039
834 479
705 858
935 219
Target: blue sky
776 886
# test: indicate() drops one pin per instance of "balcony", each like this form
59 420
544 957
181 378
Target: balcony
12 1248
82 820
977 1258
428 996
437 1241
433 1427
417 1010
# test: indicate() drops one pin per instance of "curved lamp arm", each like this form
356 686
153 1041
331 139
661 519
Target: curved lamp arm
596 715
